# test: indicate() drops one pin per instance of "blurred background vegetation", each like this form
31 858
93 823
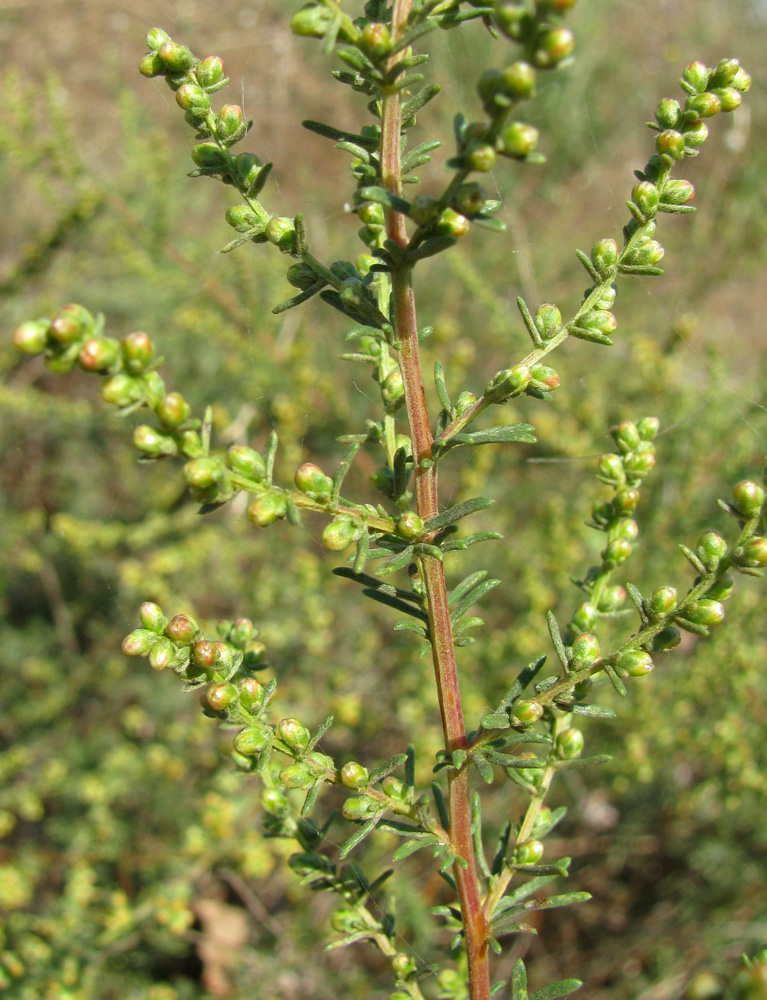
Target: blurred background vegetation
131 861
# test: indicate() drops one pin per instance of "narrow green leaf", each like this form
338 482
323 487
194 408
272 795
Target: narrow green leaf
319 732
328 132
464 543
593 336
529 322
439 381
505 434
408 626
419 155
311 798
524 677
411 846
381 196
563 899
458 758
439 801
523 892
595 711
453 514
349 939
430 247
519 981
600 758
485 769
495 720
398 561
385 769
561 989
362 551
586 261
359 836
409 37
615 680
419 100
474 595
556 639
693 560
489 222
269 452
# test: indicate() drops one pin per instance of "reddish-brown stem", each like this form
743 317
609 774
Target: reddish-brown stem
443 649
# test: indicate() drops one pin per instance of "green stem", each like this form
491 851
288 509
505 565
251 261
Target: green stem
443 650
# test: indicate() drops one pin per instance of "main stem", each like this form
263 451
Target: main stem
443 650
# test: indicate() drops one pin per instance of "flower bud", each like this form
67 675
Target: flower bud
510 382
192 98
518 140
569 744
512 18
668 113
741 81
139 642
670 143
395 788
546 379
70 324
137 351
722 588
661 602
229 123
339 534
121 390
153 442
247 168
255 654
704 612
99 354
152 617
210 71
177 58
252 694
585 650
266 509
220 696
297 776
182 629
293 734
209 157
749 497
678 192
309 478
703 105
584 618
602 512
646 197
202 473
519 81
481 157
282 233
617 551
548 319
625 501
205 654
610 468
695 133
712 548
451 223
31 337
156 38
251 742
612 599
666 640
403 966
625 435
527 711
529 853
729 98
162 654
354 775
648 253
752 554
383 480
311 21
464 402
553 45
274 802
639 463
246 461
696 74
410 525
604 257
635 663
393 391
360 807
469 199
376 40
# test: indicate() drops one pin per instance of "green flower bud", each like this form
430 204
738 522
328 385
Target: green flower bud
741 81
247 168
481 157
241 632
529 853
32 337
670 143
666 640
749 497
162 654
266 509
722 588
695 133
393 391
208 156
527 711
677 192
293 734
646 197
339 534
153 442
137 351
518 81
297 776
585 650
301 276
177 58
255 656
518 140
451 223
220 696
346 921
625 501
725 72
210 71
729 98
569 744
156 38
320 763
612 599
70 324
712 548
251 742
403 966
247 462
192 98
274 802
544 378
635 663
173 410
139 642
661 602
309 478
752 554
252 694
121 390
383 480
639 463
602 512
512 18
553 45
354 775
311 21
625 435
548 320
371 213
601 321
229 123
668 113
509 382
610 468
151 65
604 257
376 40
205 654
410 525
201 473
282 233
703 105
464 402
152 617
617 551
99 354
469 199
585 617
182 629
704 612
360 807
696 74
645 254
648 428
